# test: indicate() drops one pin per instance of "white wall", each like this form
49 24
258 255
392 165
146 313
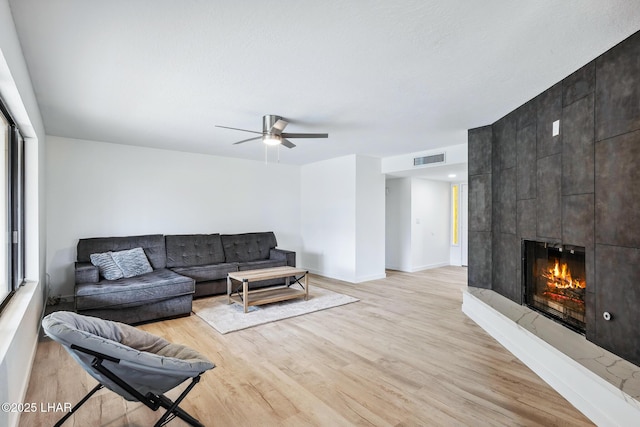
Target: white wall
98 189
370 219
431 224
418 224
398 224
339 240
328 217
19 322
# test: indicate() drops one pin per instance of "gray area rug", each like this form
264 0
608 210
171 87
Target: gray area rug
226 318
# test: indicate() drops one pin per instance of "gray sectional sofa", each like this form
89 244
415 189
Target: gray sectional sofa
184 267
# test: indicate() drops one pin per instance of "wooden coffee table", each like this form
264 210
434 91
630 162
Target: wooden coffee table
269 294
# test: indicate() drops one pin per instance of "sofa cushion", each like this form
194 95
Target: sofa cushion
132 262
153 246
204 273
248 247
193 249
106 265
165 309
135 291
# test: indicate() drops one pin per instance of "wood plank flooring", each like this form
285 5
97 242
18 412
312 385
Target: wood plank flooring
405 355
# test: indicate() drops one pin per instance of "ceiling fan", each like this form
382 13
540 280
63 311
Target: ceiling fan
272 132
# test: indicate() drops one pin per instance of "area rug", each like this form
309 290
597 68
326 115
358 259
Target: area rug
226 318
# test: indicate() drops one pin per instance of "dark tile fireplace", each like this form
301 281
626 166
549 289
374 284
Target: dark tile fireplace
555 282
577 183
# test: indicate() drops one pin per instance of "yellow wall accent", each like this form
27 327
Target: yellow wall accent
454 212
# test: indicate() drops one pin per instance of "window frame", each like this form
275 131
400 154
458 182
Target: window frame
15 212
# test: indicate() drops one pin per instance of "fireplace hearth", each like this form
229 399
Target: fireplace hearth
555 282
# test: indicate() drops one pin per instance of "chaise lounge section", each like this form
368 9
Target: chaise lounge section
158 294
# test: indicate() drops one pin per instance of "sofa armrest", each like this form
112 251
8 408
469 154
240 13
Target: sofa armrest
281 254
86 273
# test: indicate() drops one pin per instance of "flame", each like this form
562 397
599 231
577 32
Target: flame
559 277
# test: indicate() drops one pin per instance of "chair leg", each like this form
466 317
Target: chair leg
174 410
78 405
151 400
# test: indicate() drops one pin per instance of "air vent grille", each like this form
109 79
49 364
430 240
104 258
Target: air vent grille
427 160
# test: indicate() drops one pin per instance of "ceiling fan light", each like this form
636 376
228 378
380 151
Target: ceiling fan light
272 139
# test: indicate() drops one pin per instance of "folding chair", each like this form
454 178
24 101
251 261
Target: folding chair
135 364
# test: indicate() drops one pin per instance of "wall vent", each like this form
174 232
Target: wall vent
427 160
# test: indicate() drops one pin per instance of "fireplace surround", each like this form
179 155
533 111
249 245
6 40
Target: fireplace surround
578 187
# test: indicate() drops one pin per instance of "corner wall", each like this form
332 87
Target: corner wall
480 208
343 218
370 219
398 224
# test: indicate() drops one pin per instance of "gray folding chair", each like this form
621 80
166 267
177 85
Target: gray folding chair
135 364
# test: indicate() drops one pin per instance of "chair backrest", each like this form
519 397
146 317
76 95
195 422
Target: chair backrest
146 362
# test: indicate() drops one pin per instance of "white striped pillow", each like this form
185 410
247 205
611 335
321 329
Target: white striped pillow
108 268
132 262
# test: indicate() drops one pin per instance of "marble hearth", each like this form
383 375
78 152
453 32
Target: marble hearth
605 387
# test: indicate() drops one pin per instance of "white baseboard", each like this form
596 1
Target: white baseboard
596 398
429 267
347 279
393 267
419 268
369 278
324 274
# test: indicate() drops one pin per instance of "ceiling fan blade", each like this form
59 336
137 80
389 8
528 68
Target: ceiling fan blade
287 143
246 140
243 130
305 135
279 125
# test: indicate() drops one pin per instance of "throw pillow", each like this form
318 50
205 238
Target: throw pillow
107 267
132 262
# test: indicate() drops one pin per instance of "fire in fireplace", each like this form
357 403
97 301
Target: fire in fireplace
555 283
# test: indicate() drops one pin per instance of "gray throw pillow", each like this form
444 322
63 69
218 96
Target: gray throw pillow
132 262
107 267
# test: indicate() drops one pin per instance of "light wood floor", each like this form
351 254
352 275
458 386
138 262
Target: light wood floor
405 355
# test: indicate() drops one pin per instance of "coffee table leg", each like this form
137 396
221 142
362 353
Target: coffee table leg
306 286
228 290
245 295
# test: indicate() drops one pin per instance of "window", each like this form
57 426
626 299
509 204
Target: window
5 285
11 208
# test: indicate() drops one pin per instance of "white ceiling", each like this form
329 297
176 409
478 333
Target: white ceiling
381 77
